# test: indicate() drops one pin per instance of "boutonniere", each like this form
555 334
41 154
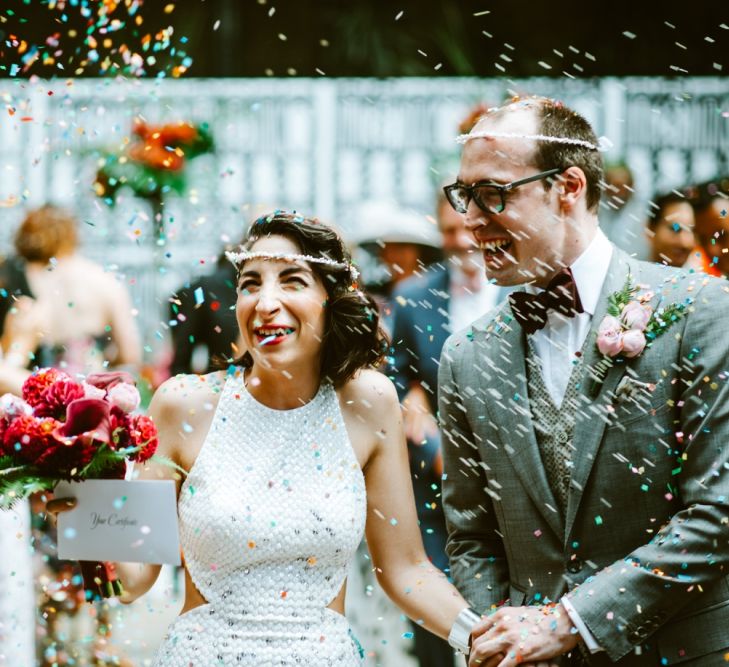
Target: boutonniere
630 326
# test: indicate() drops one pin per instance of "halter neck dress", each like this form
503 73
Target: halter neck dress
271 515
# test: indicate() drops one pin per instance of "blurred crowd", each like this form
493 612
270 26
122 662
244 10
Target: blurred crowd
58 308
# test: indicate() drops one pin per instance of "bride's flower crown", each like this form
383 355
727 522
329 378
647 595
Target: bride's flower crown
237 258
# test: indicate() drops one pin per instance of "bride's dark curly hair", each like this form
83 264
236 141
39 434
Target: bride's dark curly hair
353 337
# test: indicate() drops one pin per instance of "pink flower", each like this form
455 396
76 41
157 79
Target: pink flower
108 380
636 315
633 343
90 391
124 396
12 406
610 323
609 336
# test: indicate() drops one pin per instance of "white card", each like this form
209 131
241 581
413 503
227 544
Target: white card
119 520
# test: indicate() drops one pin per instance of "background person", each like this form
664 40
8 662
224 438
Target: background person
65 310
203 312
622 214
62 310
399 242
711 209
670 229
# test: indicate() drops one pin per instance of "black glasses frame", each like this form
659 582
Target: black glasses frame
501 188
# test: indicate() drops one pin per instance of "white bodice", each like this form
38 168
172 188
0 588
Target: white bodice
273 509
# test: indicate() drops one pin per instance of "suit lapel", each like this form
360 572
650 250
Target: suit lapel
592 418
507 350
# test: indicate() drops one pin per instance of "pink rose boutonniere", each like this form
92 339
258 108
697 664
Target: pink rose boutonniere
630 326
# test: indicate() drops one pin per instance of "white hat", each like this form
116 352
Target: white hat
384 221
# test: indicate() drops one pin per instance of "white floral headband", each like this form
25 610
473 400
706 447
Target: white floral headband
603 143
238 258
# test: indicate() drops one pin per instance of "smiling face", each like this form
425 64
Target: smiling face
674 238
281 308
529 238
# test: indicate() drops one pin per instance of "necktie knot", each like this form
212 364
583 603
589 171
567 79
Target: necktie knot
560 295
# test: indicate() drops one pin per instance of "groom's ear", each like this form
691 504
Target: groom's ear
572 187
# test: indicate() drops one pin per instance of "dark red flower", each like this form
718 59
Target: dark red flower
39 381
55 399
86 418
29 439
66 459
143 433
120 429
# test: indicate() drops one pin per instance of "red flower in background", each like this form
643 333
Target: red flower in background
162 147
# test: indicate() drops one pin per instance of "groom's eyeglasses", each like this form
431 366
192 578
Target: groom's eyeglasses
489 196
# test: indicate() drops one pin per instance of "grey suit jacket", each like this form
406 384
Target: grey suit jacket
644 542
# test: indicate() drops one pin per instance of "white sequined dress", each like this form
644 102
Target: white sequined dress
271 515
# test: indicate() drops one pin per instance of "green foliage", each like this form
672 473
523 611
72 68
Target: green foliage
104 461
165 460
618 300
663 319
20 482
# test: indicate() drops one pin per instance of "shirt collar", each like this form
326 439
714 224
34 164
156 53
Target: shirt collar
589 271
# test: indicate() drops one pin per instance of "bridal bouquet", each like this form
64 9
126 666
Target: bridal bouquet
64 429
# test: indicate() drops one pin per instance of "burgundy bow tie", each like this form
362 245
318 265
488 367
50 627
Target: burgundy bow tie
561 295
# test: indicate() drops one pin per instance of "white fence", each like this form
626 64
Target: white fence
319 146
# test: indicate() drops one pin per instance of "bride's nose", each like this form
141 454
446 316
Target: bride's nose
268 301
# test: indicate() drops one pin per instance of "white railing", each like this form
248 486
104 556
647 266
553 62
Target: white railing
319 146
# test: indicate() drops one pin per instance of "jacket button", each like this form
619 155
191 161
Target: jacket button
574 566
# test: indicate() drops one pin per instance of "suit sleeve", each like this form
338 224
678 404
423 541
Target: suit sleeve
475 548
403 361
182 345
626 602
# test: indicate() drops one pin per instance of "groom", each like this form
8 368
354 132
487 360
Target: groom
585 422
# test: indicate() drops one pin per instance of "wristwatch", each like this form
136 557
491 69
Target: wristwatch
460 635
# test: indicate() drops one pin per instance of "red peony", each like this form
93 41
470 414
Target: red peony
39 381
143 434
55 399
29 439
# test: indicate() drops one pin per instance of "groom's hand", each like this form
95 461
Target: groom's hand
522 635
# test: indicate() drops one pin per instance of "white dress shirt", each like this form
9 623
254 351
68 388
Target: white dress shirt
562 337
558 342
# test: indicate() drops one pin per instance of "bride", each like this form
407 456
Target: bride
292 454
